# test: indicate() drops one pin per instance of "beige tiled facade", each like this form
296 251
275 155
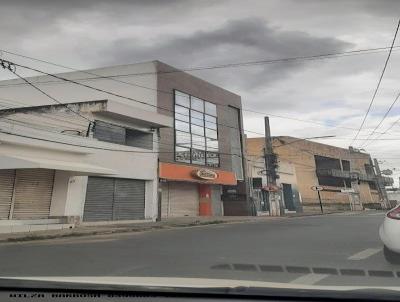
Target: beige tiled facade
301 153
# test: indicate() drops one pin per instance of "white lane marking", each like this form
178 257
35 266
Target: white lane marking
364 254
309 279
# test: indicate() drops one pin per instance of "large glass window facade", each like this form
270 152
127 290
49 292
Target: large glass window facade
196 131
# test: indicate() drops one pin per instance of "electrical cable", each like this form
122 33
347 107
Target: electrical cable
379 82
228 65
360 51
48 95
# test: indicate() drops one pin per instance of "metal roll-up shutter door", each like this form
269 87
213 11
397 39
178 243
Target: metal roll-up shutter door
183 199
129 198
6 192
33 191
99 199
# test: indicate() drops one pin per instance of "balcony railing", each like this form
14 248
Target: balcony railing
334 173
387 181
344 174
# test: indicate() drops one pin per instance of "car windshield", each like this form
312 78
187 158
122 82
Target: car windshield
200 143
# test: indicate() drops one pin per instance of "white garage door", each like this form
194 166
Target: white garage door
33 191
179 199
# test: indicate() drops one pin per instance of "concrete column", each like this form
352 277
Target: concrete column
60 193
151 208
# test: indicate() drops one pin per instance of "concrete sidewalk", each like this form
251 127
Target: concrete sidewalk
114 228
140 226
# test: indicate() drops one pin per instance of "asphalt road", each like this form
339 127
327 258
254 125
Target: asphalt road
325 250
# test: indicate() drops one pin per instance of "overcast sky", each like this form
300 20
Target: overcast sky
183 33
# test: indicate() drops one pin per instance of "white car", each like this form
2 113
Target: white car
389 232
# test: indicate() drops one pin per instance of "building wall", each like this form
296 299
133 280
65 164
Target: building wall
286 170
141 87
186 83
170 79
301 153
69 189
394 196
60 193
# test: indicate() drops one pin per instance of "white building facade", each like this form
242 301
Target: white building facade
79 162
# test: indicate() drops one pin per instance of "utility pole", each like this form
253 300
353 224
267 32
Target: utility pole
355 202
381 185
273 197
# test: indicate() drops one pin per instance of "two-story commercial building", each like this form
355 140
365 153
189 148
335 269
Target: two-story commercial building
87 161
202 158
197 152
329 167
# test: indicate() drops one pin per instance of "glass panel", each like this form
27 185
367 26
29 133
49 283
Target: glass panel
183 139
182 126
198 157
182 113
197 104
198 142
210 108
182 99
197 118
182 154
212 159
212 145
198 130
211 133
211 122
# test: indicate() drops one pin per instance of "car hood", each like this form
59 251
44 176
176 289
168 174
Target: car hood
192 283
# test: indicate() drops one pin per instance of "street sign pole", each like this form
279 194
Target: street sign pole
319 188
320 202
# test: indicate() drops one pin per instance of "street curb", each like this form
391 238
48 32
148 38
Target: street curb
120 230
70 233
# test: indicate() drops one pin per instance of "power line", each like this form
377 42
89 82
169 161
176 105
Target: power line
108 124
384 117
383 133
97 148
379 82
303 120
46 129
45 93
65 80
168 92
159 107
228 65
99 90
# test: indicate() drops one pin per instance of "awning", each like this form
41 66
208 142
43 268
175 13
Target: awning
17 162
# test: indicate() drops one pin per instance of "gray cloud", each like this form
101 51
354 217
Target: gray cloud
236 41
381 8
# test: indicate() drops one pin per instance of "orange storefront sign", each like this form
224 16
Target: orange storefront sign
177 172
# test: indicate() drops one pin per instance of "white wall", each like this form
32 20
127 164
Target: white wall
60 193
69 190
67 92
151 202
